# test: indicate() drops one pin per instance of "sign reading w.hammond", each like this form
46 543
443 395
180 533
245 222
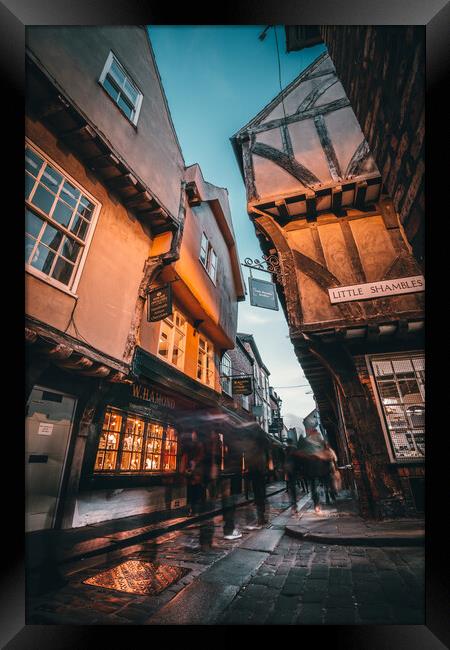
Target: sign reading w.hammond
378 289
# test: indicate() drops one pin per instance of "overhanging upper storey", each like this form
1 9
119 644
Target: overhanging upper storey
305 153
199 190
48 102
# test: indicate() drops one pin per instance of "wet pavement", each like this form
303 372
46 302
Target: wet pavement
265 577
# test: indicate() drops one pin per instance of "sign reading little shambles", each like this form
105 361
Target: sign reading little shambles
159 303
378 289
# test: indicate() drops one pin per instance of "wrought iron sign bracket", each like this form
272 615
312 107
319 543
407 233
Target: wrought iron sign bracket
272 266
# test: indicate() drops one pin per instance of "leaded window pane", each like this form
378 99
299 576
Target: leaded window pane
403 402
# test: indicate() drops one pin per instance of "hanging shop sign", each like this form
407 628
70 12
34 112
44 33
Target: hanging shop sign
258 410
159 303
263 294
379 289
241 385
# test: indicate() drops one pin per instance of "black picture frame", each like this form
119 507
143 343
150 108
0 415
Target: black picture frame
15 16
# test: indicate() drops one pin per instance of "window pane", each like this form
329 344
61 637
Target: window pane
409 390
178 348
29 184
33 162
43 199
99 460
131 92
70 194
117 74
51 237
33 223
124 105
62 213
85 208
382 368
70 249
389 392
51 178
63 271
112 90
79 227
110 460
43 259
29 245
125 462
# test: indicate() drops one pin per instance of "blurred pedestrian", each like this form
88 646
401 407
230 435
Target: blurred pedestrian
290 468
198 466
256 459
231 485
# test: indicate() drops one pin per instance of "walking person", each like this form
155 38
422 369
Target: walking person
290 468
256 458
232 487
197 464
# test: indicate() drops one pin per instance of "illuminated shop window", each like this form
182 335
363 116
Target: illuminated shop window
205 362
121 88
59 219
400 383
172 339
130 443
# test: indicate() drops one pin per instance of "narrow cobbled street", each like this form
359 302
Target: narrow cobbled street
265 577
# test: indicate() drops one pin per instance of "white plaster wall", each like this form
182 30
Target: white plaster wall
104 505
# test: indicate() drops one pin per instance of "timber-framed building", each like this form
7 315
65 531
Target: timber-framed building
349 285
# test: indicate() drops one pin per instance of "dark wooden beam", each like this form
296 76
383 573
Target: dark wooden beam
360 198
282 210
103 161
119 182
311 210
327 146
298 117
138 199
288 163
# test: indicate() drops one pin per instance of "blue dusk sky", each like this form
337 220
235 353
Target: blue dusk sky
216 78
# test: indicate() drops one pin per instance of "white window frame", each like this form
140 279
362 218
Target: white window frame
210 268
170 322
137 106
209 355
226 370
72 287
386 432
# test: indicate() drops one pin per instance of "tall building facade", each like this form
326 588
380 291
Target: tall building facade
350 287
113 213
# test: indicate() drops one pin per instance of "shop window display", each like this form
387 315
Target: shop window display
129 443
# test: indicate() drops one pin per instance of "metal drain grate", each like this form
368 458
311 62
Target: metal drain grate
138 577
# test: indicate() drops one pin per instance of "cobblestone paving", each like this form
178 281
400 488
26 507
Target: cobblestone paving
78 603
299 583
305 583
